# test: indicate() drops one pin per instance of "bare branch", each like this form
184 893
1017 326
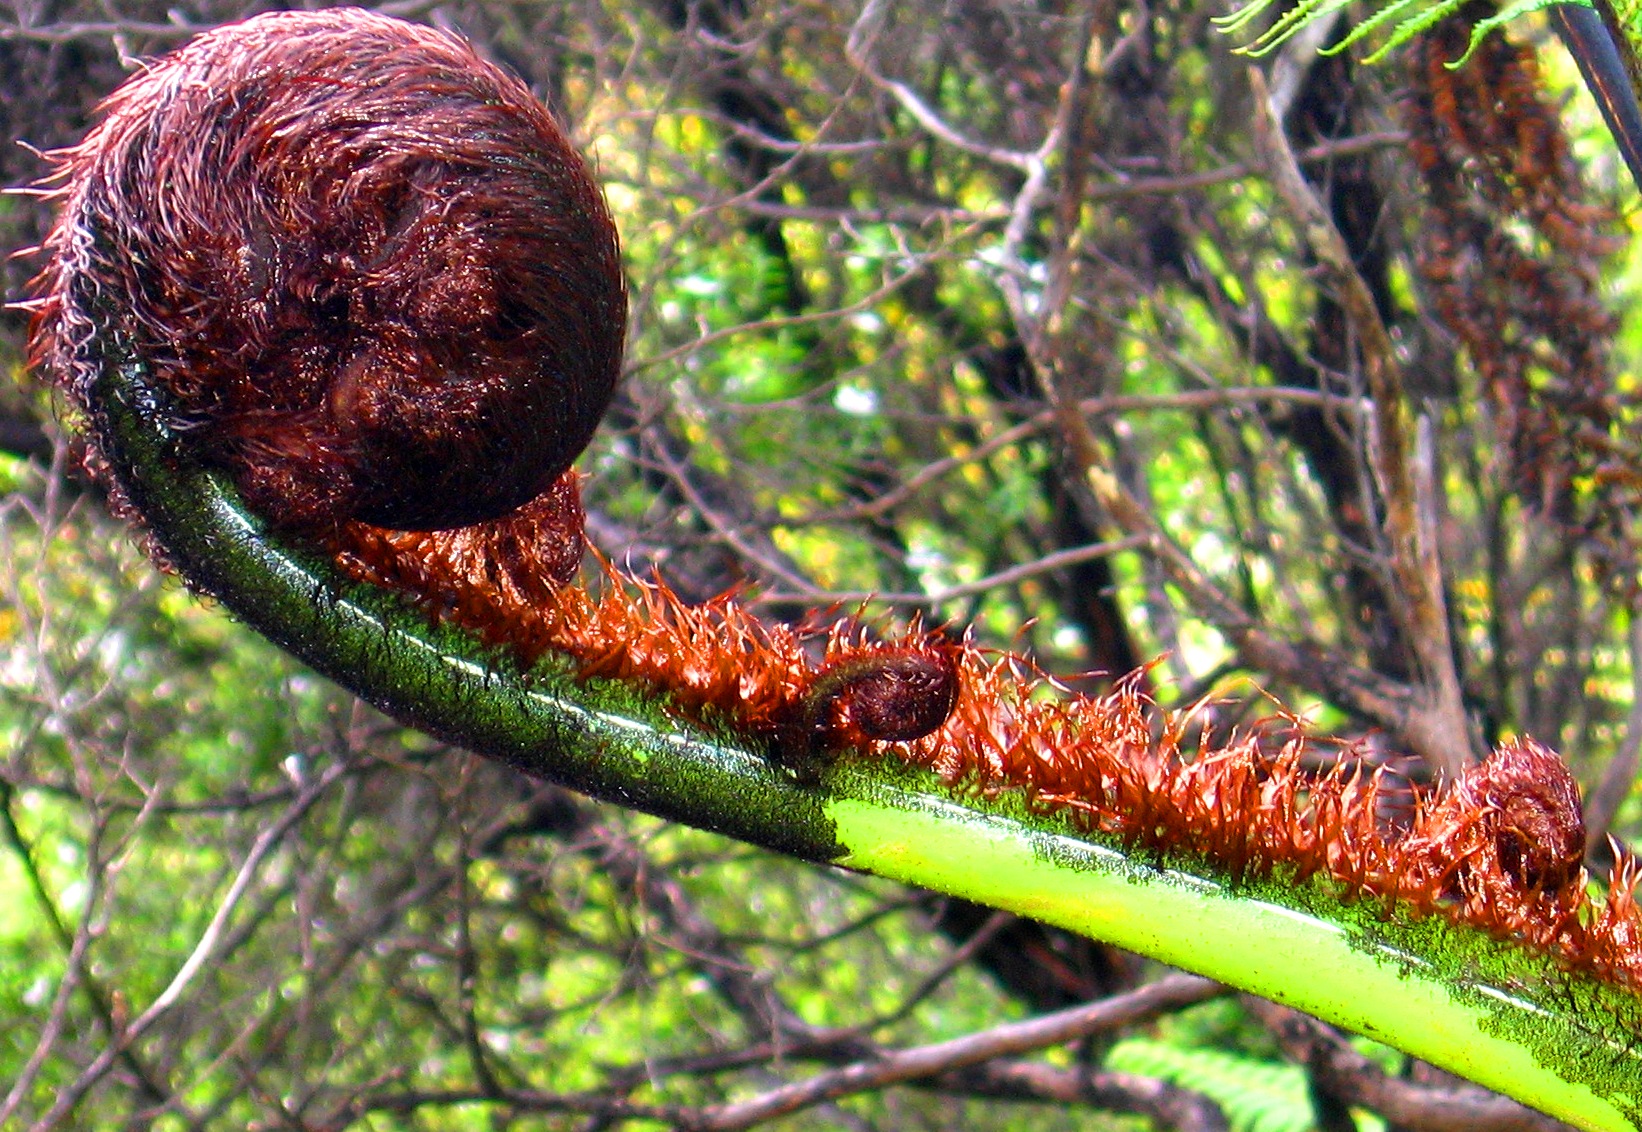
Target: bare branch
203 951
1357 1080
1058 560
1436 726
1168 993
858 49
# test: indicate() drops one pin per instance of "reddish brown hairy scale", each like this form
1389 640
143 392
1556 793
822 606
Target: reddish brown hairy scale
383 293
1498 849
1513 254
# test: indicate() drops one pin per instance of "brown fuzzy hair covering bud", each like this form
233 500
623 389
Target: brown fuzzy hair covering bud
371 274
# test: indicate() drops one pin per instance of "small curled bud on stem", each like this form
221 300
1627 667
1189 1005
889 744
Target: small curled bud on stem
873 693
1509 837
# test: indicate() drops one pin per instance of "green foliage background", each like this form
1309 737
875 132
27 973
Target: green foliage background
426 941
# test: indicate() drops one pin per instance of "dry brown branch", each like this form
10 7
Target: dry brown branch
204 950
1168 993
1435 723
1357 1080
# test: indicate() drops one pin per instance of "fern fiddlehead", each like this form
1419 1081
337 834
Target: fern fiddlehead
918 761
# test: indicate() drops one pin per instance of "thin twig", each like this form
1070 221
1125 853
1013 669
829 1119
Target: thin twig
203 951
1602 803
858 50
1059 560
1169 993
1186 401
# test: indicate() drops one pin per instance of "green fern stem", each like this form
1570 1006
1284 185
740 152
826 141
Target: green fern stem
1514 1022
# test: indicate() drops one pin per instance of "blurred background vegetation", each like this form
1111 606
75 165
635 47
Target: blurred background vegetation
903 276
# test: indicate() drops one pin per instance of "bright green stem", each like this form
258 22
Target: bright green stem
1514 1022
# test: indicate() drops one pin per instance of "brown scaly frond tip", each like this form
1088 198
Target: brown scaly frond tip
363 263
379 287
1512 253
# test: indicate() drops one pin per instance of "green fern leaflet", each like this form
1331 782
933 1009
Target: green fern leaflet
1405 19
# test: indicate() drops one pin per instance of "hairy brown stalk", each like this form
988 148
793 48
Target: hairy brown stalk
1512 251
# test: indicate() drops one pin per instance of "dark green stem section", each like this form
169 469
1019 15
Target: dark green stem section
1481 1008
599 738
1606 55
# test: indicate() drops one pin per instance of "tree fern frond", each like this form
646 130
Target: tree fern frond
1256 1096
1406 18
1239 19
1478 33
1424 15
1302 15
